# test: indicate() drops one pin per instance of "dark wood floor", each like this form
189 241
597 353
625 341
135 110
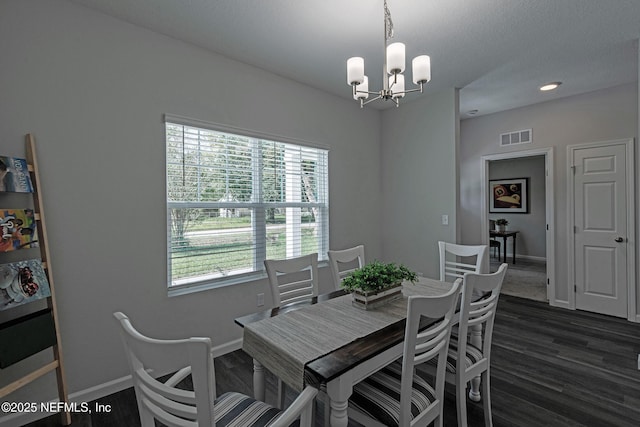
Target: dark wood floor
550 367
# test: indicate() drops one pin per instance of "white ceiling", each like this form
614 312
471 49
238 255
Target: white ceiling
498 52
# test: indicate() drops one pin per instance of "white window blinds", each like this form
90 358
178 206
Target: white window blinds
234 201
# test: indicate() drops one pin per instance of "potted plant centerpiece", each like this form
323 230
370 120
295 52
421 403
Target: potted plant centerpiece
377 283
502 223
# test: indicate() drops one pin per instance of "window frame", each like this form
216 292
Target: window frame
258 272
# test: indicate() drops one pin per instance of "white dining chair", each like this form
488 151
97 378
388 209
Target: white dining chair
452 267
292 279
199 407
396 395
343 262
466 361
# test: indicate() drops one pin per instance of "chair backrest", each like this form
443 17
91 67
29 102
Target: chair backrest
451 268
344 261
423 345
163 401
293 279
481 312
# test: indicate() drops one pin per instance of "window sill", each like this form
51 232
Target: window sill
186 289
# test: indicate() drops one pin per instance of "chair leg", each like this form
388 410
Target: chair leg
475 338
461 401
486 399
327 410
281 394
146 418
438 421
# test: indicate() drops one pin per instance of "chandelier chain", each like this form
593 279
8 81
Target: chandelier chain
388 22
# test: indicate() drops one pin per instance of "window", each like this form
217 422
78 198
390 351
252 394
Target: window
235 200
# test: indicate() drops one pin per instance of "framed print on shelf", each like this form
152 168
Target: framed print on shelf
509 195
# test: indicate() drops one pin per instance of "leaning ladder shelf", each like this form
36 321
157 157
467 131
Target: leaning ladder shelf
56 364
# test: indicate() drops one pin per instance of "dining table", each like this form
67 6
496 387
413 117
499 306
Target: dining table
329 343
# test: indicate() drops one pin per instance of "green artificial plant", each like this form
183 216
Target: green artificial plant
376 276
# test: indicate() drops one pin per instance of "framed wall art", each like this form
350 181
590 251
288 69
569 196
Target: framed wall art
509 195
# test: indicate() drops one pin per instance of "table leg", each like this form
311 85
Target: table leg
338 393
475 338
258 380
514 248
504 248
339 416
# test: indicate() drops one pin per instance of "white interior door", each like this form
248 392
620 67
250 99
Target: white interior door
601 235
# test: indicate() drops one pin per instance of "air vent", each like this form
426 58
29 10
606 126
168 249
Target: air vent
517 137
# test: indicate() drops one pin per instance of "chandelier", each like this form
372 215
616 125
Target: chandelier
394 64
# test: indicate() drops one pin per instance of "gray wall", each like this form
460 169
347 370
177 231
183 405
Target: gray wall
419 180
531 238
597 116
93 89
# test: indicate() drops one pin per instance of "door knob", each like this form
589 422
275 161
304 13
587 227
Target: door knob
619 239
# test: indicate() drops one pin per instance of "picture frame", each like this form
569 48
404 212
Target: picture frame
509 195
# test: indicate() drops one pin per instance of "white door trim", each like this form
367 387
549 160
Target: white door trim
549 209
631 227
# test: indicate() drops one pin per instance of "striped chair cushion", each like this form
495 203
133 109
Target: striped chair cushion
238 410
378 396
473 356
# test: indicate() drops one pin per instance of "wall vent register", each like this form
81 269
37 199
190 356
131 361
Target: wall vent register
517 137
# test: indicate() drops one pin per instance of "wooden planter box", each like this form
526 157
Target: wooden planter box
369 300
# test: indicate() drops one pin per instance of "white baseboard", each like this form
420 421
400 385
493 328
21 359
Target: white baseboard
530 257
560 303
222 349
98 391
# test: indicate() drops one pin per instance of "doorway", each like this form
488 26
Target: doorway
540 267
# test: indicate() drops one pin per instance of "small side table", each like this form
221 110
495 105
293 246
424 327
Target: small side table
505 235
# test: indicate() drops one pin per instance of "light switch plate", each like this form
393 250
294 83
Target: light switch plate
445 219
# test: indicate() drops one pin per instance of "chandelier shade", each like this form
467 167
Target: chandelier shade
396 85
395 58
421 69
363 92
393 80
355 70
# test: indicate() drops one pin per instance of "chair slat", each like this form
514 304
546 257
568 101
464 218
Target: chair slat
170 406
349 256
184 396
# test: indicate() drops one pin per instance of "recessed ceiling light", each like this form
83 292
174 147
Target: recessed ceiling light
550 86
472 112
